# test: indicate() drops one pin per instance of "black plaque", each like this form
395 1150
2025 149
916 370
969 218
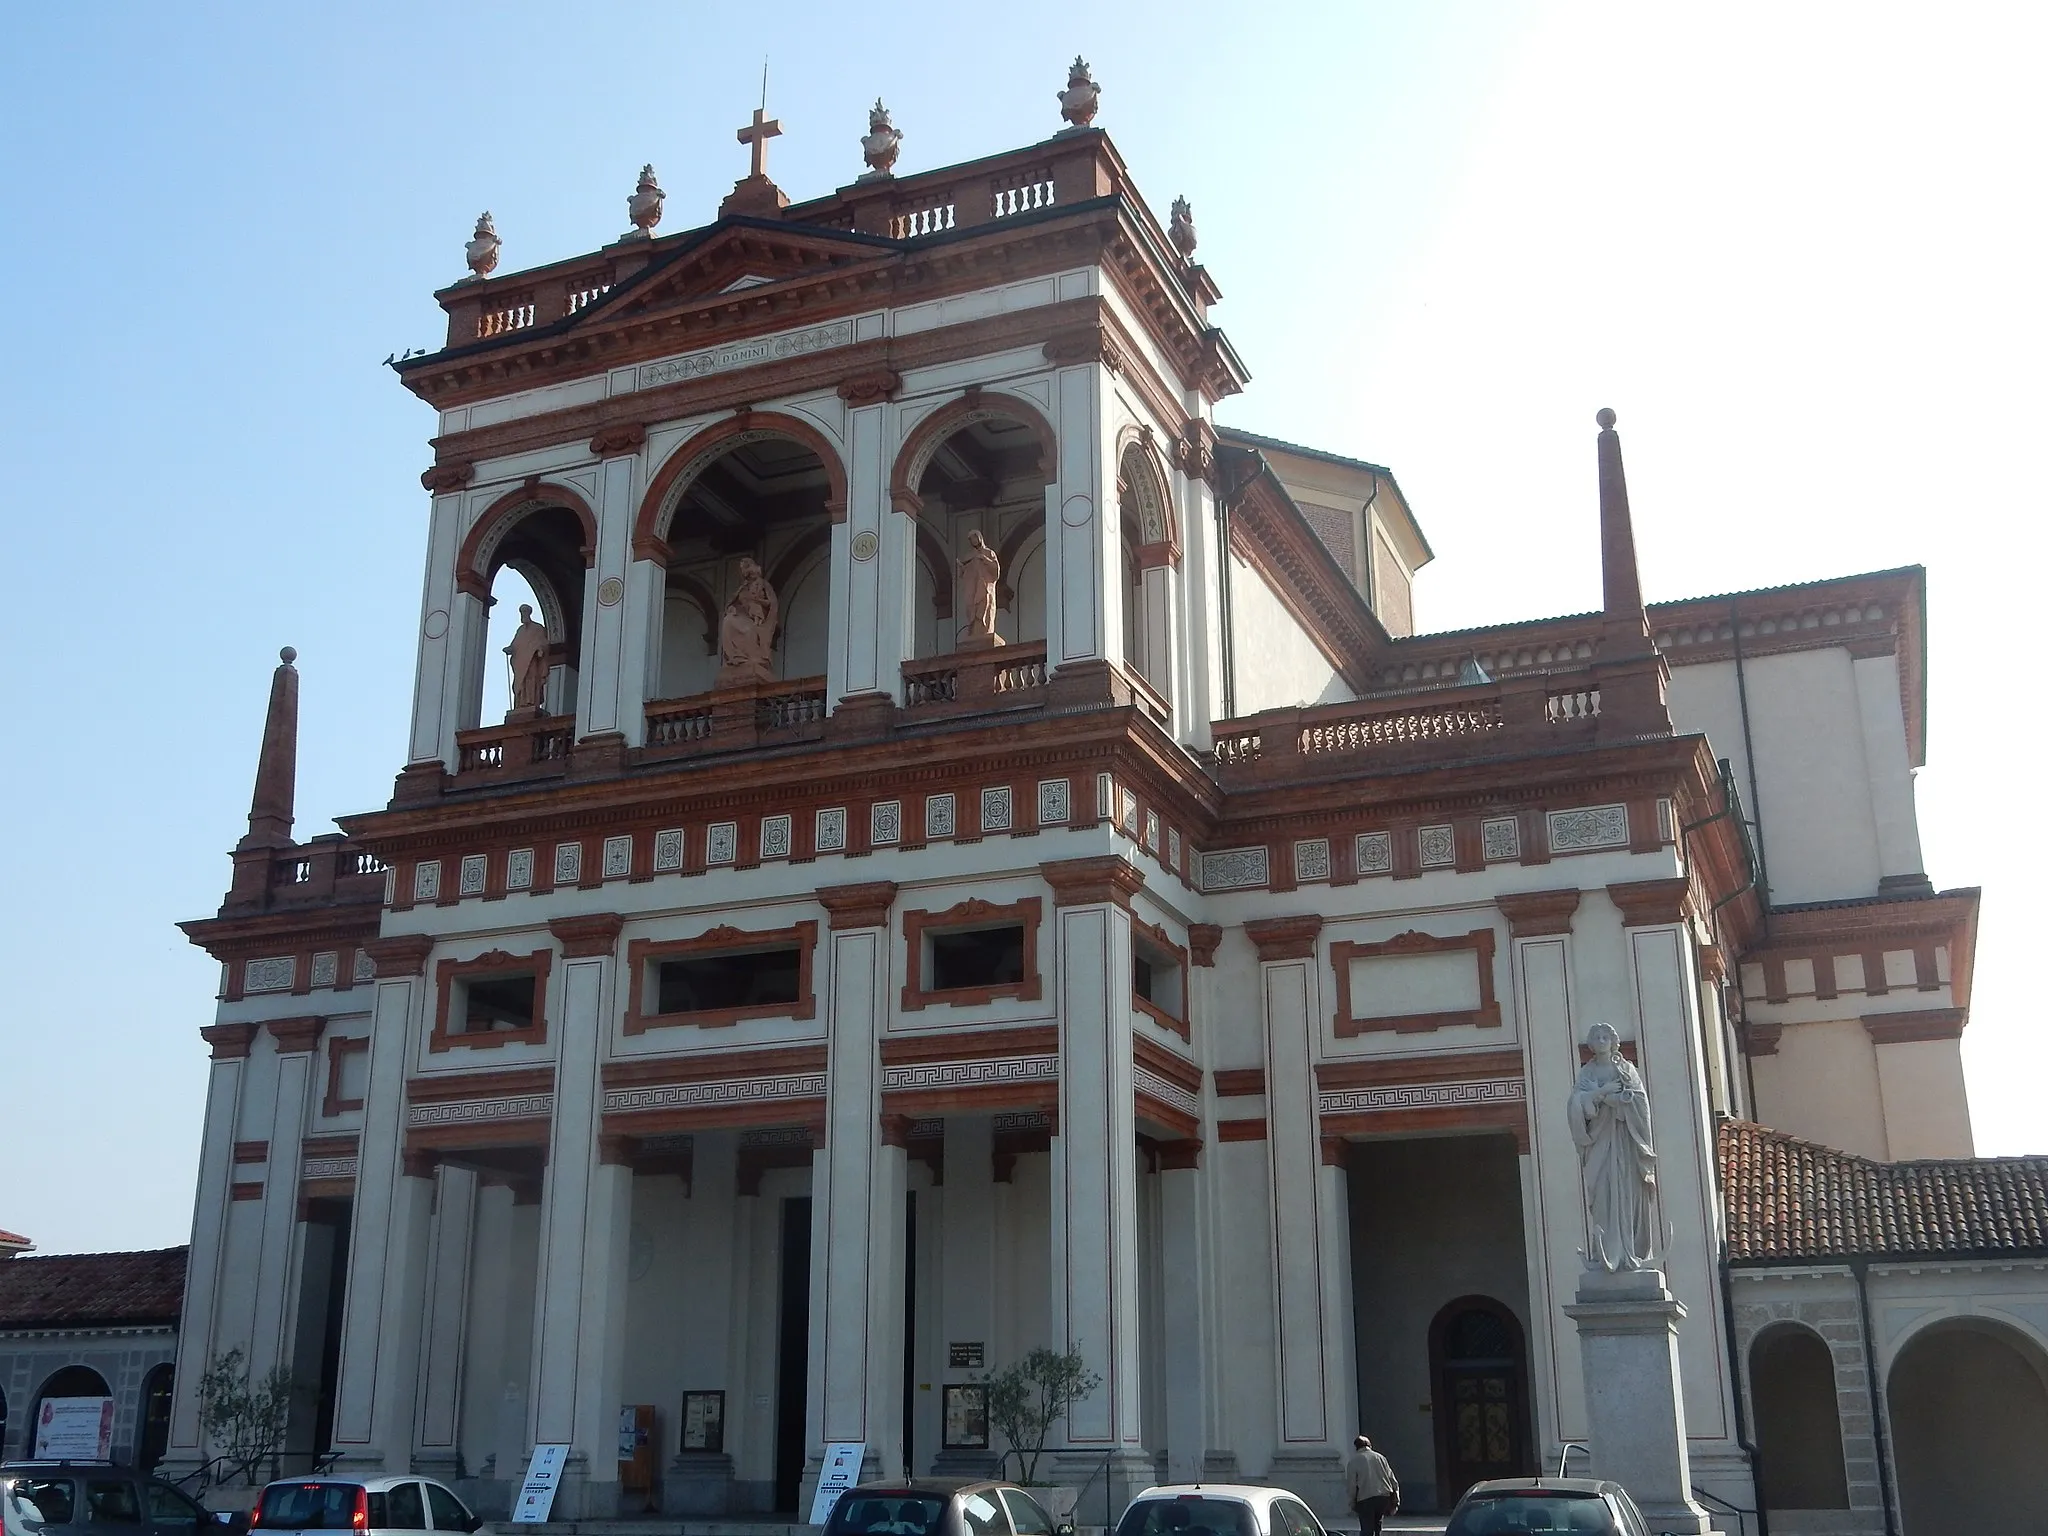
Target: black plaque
964 1355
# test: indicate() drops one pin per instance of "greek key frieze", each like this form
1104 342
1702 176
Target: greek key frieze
971 1074
1356 1101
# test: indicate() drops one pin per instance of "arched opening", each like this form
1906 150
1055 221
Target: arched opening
743 532
525 558
1479 1380
71 1381
154 1436
1798 1425
1968 1401
1151 551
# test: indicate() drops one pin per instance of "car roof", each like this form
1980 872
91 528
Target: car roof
367 1484
1250 1493
1543 1485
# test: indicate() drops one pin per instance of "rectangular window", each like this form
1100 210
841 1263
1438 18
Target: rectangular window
721 977
740 979
499 1002
495 999
1159 978
974 951
974 958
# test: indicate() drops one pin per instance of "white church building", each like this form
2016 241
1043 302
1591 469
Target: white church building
1158 952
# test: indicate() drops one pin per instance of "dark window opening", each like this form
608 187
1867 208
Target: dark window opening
500 1002
743 979
981 957
1156 978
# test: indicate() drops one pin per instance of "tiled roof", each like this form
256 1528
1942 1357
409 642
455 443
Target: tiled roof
13 1240
92 1290
1791 1199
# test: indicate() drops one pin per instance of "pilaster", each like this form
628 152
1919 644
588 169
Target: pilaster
1184 1264
1083 560
443 1356
612 679
1889 768
273 1324
872 554
967 1263
439 685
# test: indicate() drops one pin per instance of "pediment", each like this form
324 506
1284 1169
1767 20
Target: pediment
736 257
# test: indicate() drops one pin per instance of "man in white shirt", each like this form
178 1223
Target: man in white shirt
1375 1491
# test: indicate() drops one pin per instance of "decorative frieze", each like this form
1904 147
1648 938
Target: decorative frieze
721 842
830 834
1055 802
275 973
474 872
426 880
1234 869
1311 859
995 808
938 816
885 823
1373 853
1393 1096
618 857
324 968
519 870
775 837
970 1074
1500 839
745 354
668 850
1436 847
1597 826
568 863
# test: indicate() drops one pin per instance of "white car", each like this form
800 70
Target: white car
1217 1509
369 1506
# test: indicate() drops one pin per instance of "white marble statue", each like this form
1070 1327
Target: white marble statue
528 655
1610 1119
976 575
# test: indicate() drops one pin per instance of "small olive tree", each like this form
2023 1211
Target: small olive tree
244 1420
1026 1399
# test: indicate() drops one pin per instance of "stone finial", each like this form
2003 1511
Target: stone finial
482 250
644 206
1182 229
1621 584
1082 95
881 143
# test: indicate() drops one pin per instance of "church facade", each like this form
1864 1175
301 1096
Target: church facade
977 860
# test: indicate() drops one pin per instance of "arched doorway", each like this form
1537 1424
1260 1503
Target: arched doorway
1968 1403
1478 1375
1798 1425
154 1436
71 1381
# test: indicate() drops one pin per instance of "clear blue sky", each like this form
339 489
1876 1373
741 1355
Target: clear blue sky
1799 250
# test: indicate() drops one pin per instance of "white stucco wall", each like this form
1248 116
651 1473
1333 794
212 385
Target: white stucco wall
1277 664
1822 1085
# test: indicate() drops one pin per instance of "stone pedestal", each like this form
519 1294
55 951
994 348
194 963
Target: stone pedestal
1628 1346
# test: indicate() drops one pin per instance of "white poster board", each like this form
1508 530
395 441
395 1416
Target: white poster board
75 1429
537 1493
842 1471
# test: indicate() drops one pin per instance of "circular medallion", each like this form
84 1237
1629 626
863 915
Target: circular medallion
437 624
609 591
865 545
1076 510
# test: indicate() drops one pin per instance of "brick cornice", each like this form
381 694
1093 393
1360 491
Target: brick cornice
1085 882
1535 914
588 937
1647 902
1917 1024
403 954
1182 1153
1202 941
295 1035
230 1042
858 906
1285 938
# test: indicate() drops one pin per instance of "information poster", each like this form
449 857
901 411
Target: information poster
537 1494
75 1429
842 1471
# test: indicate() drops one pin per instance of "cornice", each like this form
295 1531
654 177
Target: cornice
296 1035
589 936
1109 878
403 954
1269 530
1918 1024
1646 903
1285 938
1537 914
229 1042
858 906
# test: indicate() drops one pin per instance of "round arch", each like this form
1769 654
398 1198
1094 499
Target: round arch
915 456
697 453
473 567
153 1435
1798 1420
65 1381
1479 1372
1145 499
1967 1402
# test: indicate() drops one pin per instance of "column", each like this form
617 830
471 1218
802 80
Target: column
872 550
230 1047
967 1267
436 1446
1094 1172
440 685
1185 1256
1311 1228
609 695
272 1329
1083 558
585 1226
1890 767
380 1325
858 1206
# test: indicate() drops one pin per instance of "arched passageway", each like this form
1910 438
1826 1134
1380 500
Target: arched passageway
71 1381
1798 1425
1479 1384
1968 1401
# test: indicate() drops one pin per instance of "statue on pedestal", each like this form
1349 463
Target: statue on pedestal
975 595
1610 1120
746 635
528 654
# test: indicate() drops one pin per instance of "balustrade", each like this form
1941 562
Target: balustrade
514 313
1002 677
512 750
732 719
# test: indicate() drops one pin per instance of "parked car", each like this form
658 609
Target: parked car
1510 1506
370 1506
95 1499
917 1507
1217 1509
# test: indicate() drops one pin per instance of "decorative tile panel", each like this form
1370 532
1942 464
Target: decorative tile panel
618 857
426 880
885 823
1439 849
519 870
365 967
272 975
1234 869
938 816
995 808
1596 826
1127 812
1373 853
568 863
775 837
1055 802
1105 798
1312 859
1173 850
476 868
1152 832
721 842
324 968
832 829
1501 838
668 850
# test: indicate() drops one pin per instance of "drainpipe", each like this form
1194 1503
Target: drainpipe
1860 1268
1756 1457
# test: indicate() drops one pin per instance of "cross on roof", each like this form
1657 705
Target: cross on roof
757 135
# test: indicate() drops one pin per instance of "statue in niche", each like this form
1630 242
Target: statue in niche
528 654
975 595
1610 1120
746 635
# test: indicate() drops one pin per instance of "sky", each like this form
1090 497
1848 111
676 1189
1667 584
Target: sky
1798 249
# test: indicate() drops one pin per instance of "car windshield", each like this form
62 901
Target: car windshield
1187 1515
308 1506
1509 1514
888 1514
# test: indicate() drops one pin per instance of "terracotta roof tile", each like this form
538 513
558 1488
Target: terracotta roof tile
1784 1198
92 1290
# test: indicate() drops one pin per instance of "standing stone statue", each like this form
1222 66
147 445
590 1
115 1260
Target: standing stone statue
746 635
528 653
1610 1119
977 574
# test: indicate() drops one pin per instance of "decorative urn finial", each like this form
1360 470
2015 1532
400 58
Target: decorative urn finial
1182 230
1082 95
482 250
881 143
644 206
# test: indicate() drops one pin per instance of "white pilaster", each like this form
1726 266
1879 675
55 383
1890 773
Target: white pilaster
1184 1265
1202 628
609 697
1888 764
1084 574
872 550
443 1355
275 1320
439 686
967 1257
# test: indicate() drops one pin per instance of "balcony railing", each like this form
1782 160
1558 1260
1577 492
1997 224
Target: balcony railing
734 719
974 682
523 749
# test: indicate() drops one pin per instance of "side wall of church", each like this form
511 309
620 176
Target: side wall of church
1277 664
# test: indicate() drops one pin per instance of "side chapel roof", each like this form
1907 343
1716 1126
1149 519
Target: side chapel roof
92 1290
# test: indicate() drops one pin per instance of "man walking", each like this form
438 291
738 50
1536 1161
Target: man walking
1375 1491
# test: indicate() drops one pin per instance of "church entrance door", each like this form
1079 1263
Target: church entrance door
1479 1398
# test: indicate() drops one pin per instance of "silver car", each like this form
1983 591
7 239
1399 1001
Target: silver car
369 1506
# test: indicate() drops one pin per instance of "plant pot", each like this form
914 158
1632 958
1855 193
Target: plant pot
1059 1500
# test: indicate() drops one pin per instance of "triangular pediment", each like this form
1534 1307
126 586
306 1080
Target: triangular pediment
738 256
